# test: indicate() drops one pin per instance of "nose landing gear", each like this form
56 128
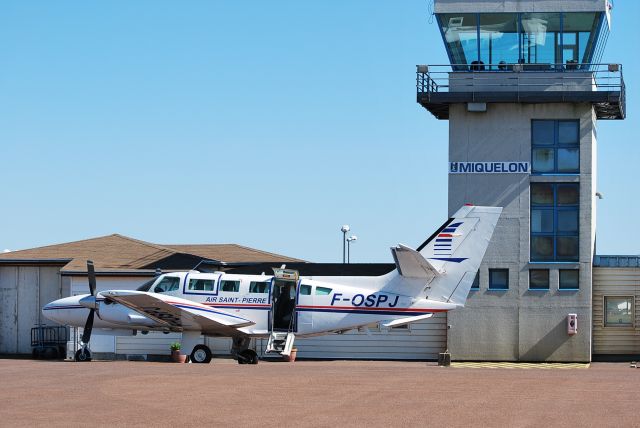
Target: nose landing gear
248 356
240 350
83 354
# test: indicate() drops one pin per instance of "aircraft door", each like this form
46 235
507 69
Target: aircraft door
305 299
283 301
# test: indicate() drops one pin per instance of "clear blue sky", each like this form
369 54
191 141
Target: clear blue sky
268 124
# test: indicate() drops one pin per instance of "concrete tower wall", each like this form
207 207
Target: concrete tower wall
518 323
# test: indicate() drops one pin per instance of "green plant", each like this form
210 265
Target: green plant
175 346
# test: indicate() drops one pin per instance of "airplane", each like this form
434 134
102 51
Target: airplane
435 277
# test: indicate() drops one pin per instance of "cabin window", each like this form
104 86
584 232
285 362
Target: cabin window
261 287
305 290
168 283
618 311
230 286
323 291
199 284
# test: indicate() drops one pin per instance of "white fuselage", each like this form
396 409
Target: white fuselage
314 306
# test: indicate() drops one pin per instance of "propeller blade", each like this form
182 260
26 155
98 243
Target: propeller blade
88 326
91 274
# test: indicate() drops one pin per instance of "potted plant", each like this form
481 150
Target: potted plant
176 356
292 356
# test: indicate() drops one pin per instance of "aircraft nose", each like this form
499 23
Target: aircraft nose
55 310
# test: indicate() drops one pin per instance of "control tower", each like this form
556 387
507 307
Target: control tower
523 93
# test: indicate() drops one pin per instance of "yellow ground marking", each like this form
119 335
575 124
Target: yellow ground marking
508 365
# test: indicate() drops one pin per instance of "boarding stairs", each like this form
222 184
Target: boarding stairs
280 342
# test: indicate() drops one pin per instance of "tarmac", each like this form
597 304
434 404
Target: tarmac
316 394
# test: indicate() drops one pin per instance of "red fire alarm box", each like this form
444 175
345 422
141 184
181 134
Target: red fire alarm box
572 324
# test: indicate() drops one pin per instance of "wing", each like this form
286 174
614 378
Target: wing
180 314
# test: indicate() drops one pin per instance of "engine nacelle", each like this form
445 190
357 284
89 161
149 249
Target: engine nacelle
119 314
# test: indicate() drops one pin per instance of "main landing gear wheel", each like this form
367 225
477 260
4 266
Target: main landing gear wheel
83 355
201 354
248 356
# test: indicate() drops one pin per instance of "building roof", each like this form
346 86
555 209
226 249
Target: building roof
229 253
617 261
122 253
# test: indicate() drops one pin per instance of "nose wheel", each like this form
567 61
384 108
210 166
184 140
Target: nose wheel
83 354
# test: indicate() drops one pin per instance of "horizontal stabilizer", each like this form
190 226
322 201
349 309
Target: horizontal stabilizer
412 264
408 320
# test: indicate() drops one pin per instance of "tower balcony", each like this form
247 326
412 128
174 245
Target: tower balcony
602 85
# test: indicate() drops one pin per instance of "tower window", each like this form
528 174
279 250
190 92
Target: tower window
569 279
539 279
498 279
555 146
554 222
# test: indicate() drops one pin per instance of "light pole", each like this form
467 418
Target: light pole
350 239
345 228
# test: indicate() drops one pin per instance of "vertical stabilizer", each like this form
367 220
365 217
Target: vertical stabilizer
456 251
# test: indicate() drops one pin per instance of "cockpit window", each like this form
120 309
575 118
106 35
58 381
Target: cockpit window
199 284
147 285
232 286
168 283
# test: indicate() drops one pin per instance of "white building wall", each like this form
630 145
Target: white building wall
23 292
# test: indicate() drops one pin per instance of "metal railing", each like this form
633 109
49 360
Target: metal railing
43 335
514 77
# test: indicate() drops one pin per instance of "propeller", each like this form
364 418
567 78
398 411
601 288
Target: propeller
89 302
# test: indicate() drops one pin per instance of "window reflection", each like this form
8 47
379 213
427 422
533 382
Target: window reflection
618 311
554 222
542 41
569 279
498 40
555 146
579 37
460 32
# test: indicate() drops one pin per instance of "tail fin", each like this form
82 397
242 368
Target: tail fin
449 260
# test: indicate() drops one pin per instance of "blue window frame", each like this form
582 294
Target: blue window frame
476 282
498 279
541 40
555 146
538 279
569 279
555 222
